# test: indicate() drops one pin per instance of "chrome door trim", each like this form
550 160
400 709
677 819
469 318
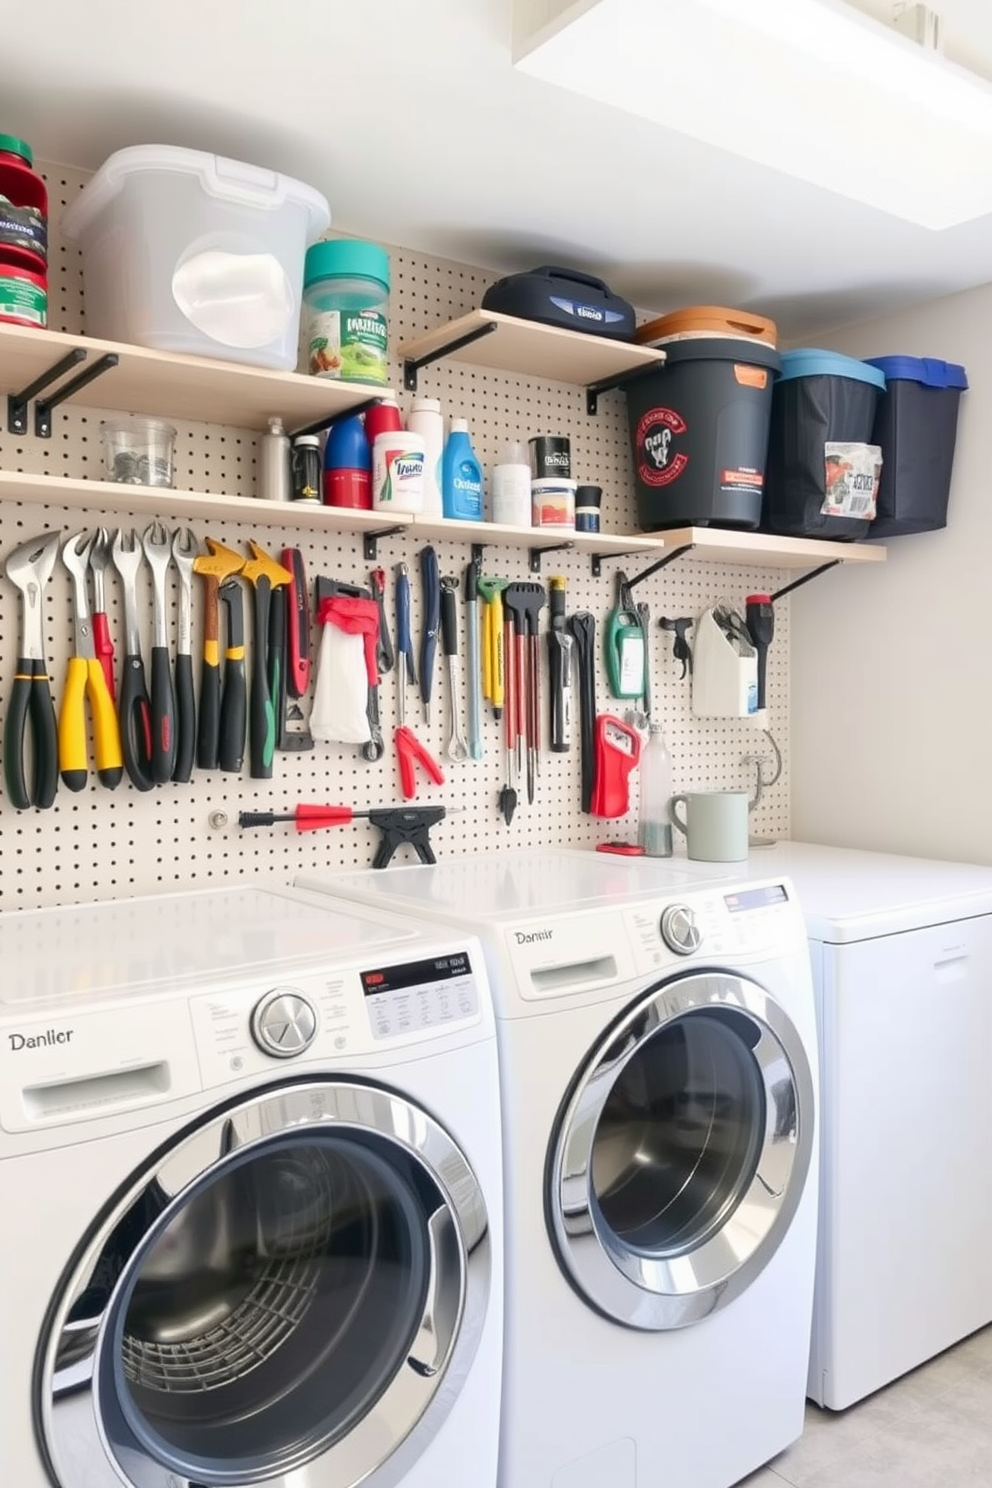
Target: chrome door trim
412 1408
656 1292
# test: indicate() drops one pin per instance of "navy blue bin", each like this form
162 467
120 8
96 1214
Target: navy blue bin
916 425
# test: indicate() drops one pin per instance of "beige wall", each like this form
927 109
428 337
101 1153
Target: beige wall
891 667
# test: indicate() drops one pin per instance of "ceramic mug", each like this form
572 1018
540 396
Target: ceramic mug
715 824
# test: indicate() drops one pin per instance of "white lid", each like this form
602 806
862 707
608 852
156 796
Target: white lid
227 180
515 454
459 426
306 439
425 405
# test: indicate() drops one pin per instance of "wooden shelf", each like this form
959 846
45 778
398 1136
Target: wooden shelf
171 386
765 549
159 501
496 534
709 544
531 349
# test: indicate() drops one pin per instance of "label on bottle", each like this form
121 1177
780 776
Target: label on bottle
467 491
24 227
22 300
350 345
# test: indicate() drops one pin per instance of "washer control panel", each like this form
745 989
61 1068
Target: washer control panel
680 930
336 1015
723 923
284 1023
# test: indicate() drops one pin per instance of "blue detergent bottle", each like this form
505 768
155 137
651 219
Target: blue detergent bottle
461 476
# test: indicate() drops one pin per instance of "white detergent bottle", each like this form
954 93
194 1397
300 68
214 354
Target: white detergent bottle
425 418
461 476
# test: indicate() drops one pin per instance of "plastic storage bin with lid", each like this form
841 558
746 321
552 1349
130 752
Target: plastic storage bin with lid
823 468
699 431
916 428
697 321
189 252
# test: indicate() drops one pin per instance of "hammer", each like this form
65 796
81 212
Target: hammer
213 567
264 574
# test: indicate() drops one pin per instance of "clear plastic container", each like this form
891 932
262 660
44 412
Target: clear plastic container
190 252
139 451
345 311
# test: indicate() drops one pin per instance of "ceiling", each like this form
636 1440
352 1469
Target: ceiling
410 117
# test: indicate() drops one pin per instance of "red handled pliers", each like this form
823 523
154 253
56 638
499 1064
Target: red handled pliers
410 752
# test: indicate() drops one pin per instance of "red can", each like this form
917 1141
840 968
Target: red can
23 208
382 418
23 295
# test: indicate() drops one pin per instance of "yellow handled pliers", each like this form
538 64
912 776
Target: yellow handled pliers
84 680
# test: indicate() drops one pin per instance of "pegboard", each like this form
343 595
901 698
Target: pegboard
110 844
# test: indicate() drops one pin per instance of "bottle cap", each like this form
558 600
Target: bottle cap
275 426
459 426
588 495
425 405
307 440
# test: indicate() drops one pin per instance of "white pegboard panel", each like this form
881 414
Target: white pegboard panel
102 844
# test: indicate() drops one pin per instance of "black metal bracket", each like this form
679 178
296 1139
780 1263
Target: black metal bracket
534 554
17 403
806 579
412 365
477 551
370 542
654 568
595 390
43 407
335 418
596 559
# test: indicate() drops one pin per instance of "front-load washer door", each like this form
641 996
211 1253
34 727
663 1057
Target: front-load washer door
289 1296
681 1152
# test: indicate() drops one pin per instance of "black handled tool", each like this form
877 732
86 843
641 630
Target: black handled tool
583 628
681 650
399 825
264 574
29 567
560 645
184 551
385 659
134 707
760 615
297 625
234 698
430 582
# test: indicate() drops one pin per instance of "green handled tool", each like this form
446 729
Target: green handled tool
623 640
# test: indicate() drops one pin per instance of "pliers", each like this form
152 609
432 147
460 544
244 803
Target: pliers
85 679
29 568
134 708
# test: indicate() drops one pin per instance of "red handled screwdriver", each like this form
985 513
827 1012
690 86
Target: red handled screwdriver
760 616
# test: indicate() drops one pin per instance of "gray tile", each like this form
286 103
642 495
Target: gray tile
828 1437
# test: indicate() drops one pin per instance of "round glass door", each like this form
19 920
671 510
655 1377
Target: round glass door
289 1310
682 1152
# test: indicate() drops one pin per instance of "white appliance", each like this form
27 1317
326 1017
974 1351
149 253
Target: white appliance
658 1060
902 966
251 1178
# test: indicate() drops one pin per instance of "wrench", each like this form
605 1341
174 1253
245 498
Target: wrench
184 549
457 748
99 558
158 551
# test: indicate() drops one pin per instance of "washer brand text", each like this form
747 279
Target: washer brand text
525 937
40 1040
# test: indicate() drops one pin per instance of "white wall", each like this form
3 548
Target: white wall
891 667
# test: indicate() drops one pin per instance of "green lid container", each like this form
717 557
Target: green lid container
346 258
11 145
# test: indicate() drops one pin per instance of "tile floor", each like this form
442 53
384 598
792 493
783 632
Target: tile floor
930 1429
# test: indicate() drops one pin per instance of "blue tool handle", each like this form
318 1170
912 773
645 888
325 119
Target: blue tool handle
403 615
431 584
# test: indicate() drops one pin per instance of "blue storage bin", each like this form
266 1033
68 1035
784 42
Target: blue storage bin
821 399
916 425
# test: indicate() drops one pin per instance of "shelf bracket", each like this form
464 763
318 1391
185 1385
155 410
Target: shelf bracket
370 542
806 579
534 554
335 418
17 403
654 568
596 560
43 407
595 390
412 365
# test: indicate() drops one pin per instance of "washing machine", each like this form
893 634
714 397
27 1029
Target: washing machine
658 1061
902 969
251 1179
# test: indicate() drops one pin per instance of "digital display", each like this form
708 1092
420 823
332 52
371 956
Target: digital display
756 898
415 974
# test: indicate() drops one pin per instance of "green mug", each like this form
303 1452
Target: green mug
715 824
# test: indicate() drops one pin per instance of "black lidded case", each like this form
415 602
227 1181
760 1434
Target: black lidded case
565 298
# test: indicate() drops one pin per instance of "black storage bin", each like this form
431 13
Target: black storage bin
916 425
699 430
822 400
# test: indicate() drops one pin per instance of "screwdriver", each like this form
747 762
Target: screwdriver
560 670
431 583
760 616
405 669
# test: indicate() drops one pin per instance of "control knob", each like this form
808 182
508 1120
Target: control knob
679 930
284 1023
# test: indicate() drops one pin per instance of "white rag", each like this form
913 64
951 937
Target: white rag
341 690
